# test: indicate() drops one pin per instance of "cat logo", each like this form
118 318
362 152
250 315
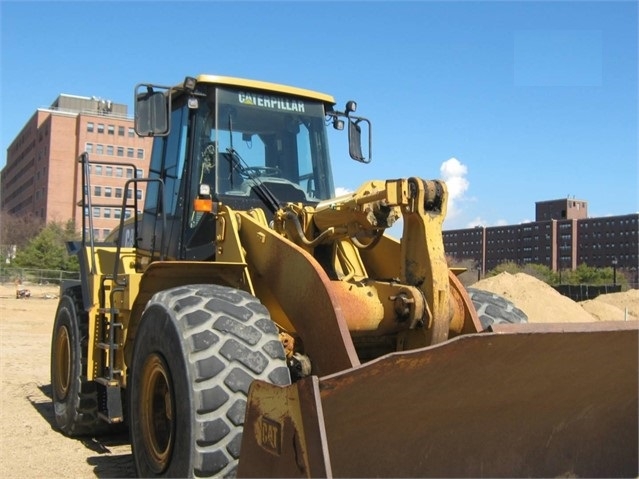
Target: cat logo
270 436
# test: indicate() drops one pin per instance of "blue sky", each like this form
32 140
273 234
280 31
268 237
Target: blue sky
509 102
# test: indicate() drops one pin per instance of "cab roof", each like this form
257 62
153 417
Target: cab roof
262 85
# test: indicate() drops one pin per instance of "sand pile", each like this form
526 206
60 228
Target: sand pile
543 304
614 306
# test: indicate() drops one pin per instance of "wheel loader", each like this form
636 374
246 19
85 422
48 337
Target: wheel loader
244 321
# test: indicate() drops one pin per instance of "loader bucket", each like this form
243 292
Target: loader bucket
529 400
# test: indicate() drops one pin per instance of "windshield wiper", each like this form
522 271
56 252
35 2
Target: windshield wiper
262 191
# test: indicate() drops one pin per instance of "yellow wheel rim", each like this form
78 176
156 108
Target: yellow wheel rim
62 363
156 412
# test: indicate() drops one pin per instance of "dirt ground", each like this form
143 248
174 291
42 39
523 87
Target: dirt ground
31 446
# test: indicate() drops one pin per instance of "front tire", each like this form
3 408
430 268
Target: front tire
75 400
197 350
495 309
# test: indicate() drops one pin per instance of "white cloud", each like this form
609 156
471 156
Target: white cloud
477 221
454 173
341 191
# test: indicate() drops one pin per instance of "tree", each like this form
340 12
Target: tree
583 274
18 230
47 250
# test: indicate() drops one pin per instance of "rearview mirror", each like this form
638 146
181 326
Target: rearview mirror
152 107
355 139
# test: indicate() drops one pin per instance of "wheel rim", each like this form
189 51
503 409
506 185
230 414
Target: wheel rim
62 363
465 319
156 412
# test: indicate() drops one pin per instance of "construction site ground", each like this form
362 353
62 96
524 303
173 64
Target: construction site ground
31 446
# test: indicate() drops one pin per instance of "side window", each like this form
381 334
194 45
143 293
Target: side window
305 162
174 160
167 161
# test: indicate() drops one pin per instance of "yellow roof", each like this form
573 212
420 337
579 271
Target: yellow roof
262 85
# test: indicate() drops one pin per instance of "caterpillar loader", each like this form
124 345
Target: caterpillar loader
242 320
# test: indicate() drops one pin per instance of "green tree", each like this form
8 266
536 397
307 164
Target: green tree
505 267
541 272
47 250
583 274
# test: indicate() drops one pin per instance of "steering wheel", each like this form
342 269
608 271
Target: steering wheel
254 171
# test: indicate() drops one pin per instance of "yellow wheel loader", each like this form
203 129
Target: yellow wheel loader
242 320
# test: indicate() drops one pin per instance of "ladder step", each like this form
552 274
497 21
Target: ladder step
110 403
107 346
110 420
109 383
108 310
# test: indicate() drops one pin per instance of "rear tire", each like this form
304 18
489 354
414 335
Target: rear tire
197 350
494 309
75 400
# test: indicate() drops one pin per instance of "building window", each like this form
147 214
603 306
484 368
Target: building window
107 212
116 213
97 191
107 191
139 172
129 152
109 171
98 170
110 150
129 172
138 193
111 130
90 127
140 154
131 133
100 128
120 151
119 172
118 192
96 212
88 147
120 131
99 149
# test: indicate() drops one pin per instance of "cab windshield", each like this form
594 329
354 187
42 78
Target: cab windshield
247 139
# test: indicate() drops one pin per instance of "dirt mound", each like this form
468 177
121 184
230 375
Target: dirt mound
627 300
605 311
543 304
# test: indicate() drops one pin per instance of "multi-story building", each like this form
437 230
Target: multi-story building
561 237
42 175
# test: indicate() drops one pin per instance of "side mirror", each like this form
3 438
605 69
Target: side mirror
355 139
152 107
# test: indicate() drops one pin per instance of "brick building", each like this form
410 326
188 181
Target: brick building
42 176
561 237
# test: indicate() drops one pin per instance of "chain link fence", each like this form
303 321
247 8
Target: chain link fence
25 276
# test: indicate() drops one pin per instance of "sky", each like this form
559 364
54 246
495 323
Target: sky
509 102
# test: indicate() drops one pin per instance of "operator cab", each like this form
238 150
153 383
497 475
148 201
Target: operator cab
242 143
